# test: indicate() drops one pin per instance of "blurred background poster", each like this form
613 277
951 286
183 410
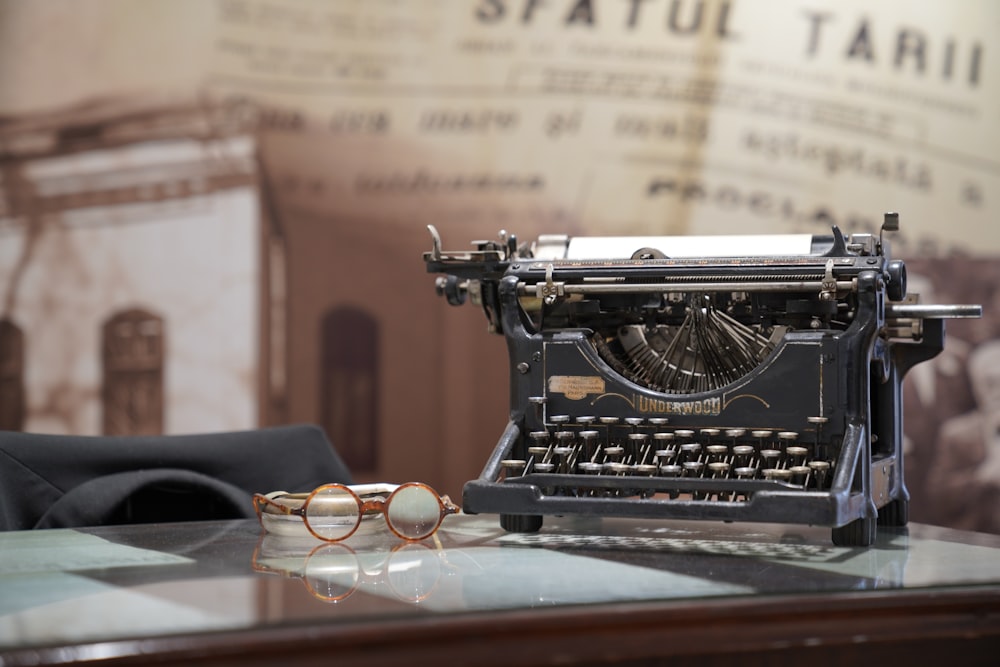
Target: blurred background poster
212 214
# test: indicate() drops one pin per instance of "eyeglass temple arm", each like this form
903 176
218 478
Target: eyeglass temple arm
284 509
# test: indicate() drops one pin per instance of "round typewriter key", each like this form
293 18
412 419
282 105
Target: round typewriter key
613 468
797 454
662 436
693 468
645 469
658 421
800 474
589 468
538 451
690 451
718 468
671 470
745 472
586 420
777 475
717 452
332 512
614 451
609 420
634 421
543 467
665 455
820 470
413 511
743 453
539 437
788 435
559 419
710 432
513 467
735 432
684 433
770 457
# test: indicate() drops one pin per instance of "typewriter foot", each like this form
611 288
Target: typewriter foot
521 523
858 533
896 513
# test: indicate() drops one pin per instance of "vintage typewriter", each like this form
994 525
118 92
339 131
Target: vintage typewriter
732 378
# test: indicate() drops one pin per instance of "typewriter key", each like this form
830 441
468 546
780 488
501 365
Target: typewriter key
614 452
693 468
820 471
513 467
770 458
777 474
689 451
719 469
743 454
800 475
717 452
589 443
670 470
796 455
539 437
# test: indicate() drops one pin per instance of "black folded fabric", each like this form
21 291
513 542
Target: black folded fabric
50 481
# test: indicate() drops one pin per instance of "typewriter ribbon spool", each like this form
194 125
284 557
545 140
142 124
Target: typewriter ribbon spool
733 378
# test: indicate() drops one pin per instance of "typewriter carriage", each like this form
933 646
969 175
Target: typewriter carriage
734 387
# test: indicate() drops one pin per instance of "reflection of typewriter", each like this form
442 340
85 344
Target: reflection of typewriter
750 378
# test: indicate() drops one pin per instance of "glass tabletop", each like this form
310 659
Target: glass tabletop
73 587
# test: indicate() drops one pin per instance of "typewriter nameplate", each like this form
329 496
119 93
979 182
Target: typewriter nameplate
576 387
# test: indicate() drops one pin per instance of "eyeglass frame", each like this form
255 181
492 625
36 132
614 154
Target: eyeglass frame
375 501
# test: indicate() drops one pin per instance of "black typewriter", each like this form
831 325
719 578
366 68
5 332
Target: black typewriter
731 378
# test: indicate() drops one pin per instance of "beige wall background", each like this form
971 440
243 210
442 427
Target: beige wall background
373 119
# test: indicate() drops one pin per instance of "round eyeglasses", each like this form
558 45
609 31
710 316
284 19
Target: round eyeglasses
333 512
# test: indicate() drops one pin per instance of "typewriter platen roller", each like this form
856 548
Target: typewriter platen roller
733 378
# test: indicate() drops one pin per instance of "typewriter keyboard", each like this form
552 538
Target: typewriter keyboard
642 448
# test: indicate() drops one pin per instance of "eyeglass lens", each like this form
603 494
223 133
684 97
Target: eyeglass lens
332 512
414 511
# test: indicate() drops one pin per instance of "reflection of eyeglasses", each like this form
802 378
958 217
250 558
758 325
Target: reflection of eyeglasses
333 512
333 572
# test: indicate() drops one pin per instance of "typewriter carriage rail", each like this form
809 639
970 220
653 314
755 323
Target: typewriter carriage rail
732 387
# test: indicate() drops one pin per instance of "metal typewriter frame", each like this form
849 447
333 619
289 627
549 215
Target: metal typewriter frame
858 375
